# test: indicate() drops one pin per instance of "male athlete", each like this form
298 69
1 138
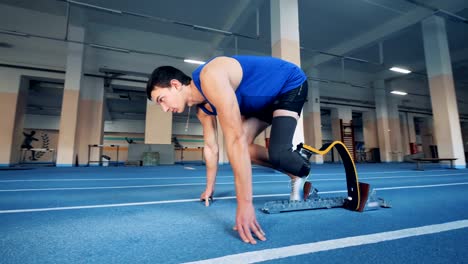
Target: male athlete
247 93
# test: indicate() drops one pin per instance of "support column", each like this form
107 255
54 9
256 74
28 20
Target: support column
66 149
383 127
369 130
13 97
285 42
346 115
405 147
411 129
411 133
90 119
442 90
313 121
395 129
158 126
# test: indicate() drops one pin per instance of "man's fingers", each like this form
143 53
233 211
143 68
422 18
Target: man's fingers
240 230
257 230
259 227
246 235
207 198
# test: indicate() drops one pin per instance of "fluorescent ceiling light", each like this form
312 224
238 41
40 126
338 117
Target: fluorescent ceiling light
399 92
400 70
194 61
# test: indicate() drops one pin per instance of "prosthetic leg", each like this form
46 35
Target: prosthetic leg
360 197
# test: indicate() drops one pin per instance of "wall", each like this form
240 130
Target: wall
116 131
52 55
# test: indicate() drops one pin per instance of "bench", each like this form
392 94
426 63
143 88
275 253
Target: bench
420 160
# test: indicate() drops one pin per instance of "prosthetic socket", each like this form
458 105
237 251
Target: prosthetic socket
280 150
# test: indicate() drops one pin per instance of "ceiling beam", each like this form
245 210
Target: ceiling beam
383 31
235 17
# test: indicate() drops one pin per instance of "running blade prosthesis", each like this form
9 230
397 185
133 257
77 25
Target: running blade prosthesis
360 196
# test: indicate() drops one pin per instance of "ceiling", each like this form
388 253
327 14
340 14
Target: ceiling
339 28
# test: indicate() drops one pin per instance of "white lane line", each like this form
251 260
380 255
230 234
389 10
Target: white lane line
126 187
105 187
273 174
198 184
420 186
197 199
95 206
109 179
309 248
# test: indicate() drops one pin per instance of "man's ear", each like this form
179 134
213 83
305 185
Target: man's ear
175 83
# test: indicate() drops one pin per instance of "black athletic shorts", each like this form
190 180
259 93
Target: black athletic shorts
292 100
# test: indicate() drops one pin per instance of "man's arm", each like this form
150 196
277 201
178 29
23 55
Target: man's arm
210 152
219 79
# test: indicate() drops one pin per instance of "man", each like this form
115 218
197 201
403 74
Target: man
247 94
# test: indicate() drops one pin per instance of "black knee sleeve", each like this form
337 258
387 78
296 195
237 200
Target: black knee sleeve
280 150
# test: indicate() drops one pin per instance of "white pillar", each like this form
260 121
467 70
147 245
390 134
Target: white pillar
158 126
13 100
337 114
66 149
383 128
411 130
90 129
313 120
404 134
369 130
395 129
285 42
442 90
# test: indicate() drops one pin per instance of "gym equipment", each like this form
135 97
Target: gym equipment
100 162
360 196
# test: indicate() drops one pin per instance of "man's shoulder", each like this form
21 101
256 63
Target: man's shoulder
221 64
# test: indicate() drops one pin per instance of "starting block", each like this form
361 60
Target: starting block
314 201
360 197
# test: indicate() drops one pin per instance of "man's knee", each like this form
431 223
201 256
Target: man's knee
289 161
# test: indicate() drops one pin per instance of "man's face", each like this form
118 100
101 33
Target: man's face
170 99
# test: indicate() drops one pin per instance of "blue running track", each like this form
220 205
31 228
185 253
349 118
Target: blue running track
153 215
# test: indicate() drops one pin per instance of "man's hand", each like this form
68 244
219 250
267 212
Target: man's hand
207 196
246 224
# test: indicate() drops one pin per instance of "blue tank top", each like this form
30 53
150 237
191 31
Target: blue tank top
263 79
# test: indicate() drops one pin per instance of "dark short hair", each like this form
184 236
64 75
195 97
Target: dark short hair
162 77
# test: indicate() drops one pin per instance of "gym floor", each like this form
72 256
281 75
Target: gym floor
153 215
